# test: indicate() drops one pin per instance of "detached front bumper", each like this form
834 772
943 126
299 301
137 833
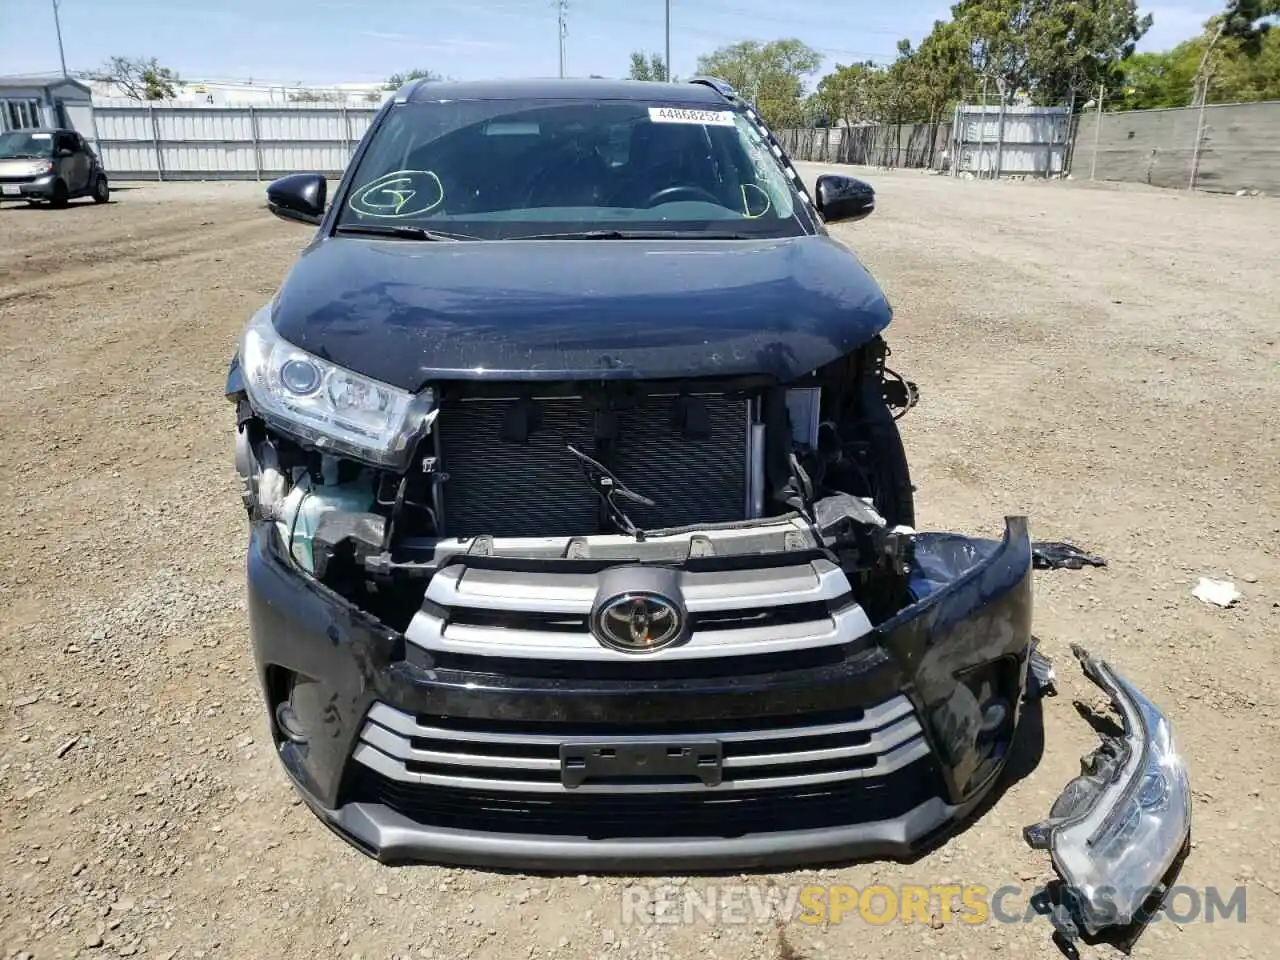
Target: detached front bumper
868 748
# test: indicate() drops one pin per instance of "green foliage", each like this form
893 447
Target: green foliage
398 80
1167 79
1243 21
1045 49
140 78
1048 50
651 67
770 74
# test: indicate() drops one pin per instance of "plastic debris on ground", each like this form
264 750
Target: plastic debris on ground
1041 680
1055 555
1220 593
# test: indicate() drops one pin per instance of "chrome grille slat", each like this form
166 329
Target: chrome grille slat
398 746
873 718
888 735
778 588
389 766
575 592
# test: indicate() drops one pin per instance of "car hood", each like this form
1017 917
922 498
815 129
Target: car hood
408 312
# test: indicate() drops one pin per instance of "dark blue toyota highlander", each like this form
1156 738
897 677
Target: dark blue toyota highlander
581 528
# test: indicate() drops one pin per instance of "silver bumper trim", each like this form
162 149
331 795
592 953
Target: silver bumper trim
392 837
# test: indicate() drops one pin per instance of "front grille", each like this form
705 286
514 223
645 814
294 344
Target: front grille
785 605
601 817
536 488
781 774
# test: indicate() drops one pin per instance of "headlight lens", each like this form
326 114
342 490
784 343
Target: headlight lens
333 409
1114 848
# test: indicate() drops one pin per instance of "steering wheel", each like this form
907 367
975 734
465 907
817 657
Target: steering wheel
666 194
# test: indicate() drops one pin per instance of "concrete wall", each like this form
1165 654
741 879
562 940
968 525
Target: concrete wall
1239 147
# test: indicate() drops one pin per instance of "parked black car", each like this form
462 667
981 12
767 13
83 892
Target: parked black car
53 165
581 527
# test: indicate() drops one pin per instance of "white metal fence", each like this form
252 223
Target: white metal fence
979 141
166 142
993 141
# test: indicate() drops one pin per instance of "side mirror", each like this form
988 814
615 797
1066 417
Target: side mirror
66 152
841 198
299 196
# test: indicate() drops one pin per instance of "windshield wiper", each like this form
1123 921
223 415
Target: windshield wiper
638 235
22 156
398 232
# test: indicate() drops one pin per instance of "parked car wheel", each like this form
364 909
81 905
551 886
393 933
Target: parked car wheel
101 190
59 197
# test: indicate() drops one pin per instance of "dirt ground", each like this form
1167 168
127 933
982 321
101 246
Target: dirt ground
1104 360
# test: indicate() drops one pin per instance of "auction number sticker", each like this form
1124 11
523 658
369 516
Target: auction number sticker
714 118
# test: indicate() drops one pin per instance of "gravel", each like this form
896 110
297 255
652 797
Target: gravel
1102 360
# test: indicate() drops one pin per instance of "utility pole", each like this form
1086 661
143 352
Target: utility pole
562 7
1097 130
666 63
57 25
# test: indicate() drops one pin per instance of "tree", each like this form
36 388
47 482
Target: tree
1241 22
939 70
845 92
1074 47
305 95
770 74
1227 68
651 67
140 78
1045 49
398 80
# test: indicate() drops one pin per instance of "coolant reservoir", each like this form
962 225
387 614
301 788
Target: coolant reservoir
300 513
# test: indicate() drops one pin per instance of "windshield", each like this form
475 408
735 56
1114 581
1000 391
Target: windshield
24 143
508 169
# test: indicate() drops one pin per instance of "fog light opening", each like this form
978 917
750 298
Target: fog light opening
289 724
995 714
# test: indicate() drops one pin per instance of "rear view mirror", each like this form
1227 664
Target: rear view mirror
299 196
840 198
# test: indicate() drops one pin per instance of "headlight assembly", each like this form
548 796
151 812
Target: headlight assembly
333 409
1118 828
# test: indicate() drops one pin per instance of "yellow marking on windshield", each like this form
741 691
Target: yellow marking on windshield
391 196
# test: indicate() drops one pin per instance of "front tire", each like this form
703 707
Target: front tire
101 190
60 195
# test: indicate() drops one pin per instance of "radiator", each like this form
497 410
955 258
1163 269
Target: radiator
537 488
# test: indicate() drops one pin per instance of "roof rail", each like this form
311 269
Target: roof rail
407 90
722 87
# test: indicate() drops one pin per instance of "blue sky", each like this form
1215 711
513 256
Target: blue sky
332 41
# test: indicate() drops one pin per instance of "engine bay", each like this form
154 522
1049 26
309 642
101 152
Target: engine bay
607 471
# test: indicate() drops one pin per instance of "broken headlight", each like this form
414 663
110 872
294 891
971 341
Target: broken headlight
1118 827
326 406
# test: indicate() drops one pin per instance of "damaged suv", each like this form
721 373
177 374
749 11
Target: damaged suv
581 528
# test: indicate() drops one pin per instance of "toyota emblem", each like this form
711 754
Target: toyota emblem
638 623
